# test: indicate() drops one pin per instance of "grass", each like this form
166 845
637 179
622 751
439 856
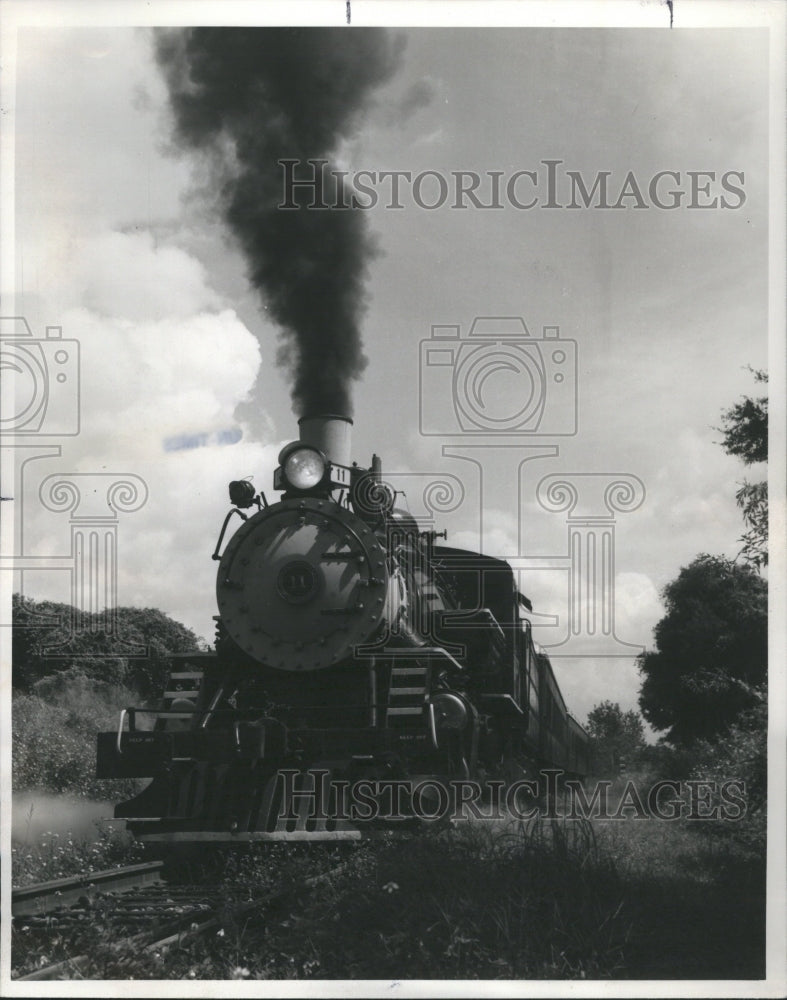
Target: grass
696 900
451 905
636 899
541 900
53 855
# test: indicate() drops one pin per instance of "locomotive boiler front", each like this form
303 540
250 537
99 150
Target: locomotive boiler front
305 581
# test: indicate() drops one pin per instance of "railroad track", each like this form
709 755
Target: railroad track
44 897
137 908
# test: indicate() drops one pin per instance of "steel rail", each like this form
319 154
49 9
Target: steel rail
43 897
183 926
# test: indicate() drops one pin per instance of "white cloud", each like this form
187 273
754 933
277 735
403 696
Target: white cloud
127 274
500 534
163 367
637 607
586 682
145 382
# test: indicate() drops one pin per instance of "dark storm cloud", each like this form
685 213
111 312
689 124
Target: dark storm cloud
250 98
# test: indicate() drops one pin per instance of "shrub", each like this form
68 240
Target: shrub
55 736
132 646
54 855
740 754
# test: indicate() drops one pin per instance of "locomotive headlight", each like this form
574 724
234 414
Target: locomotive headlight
450 711
304 468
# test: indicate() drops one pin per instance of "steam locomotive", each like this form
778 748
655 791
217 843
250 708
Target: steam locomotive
352 651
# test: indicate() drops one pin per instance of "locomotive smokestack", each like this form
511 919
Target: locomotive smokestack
330 433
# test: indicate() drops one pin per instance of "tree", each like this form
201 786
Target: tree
711 654
745 429
616 736
51 638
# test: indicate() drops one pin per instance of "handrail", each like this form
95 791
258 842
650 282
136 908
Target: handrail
433 726
123 714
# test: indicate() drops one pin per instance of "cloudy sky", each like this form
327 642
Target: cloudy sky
118 242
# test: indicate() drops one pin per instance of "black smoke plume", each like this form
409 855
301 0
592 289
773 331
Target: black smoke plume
250 97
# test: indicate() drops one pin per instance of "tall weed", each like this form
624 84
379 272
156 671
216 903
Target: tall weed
54 736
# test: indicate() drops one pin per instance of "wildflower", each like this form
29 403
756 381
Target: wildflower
390 887
240 972
220 933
